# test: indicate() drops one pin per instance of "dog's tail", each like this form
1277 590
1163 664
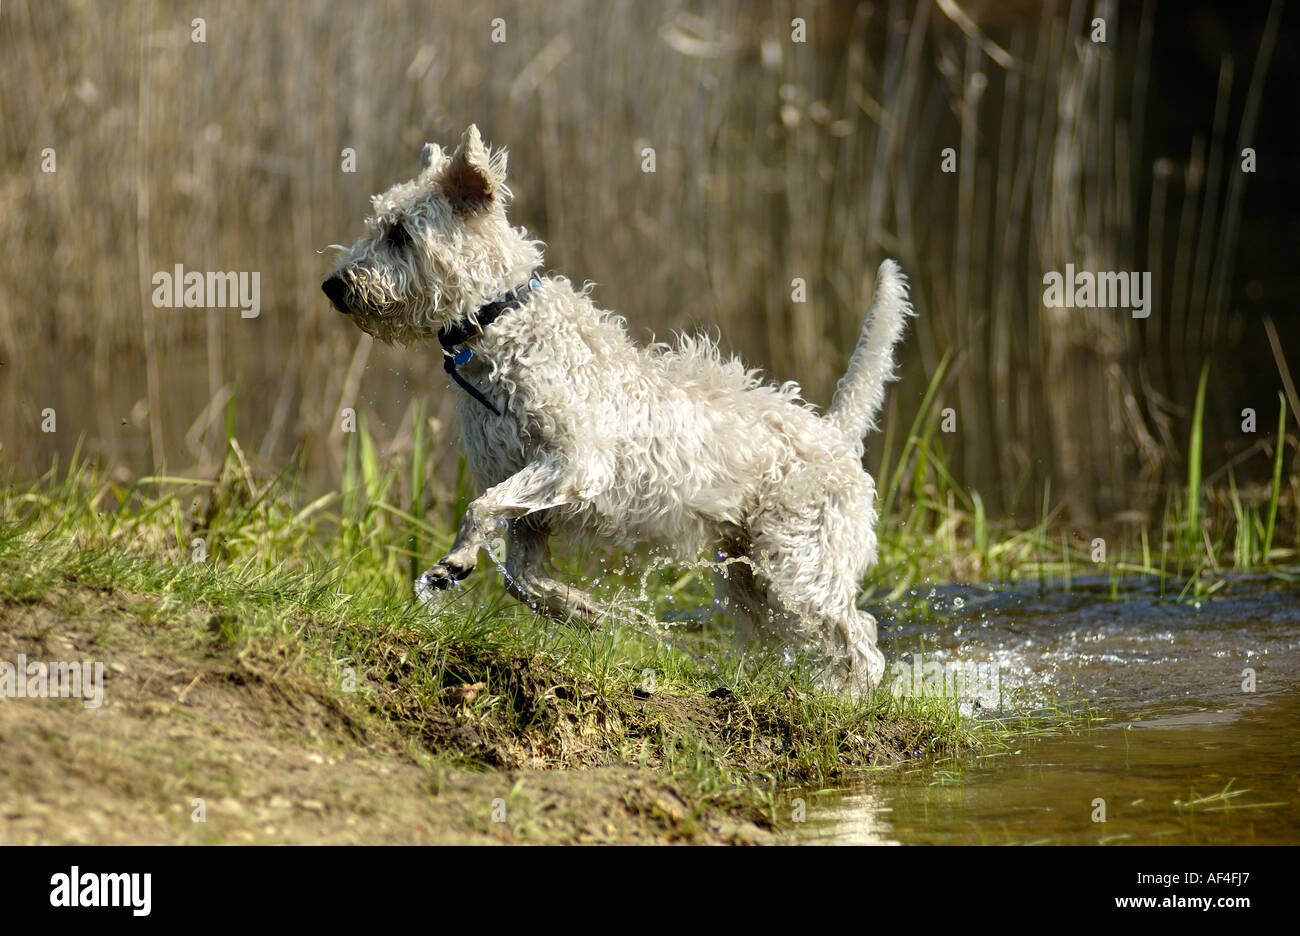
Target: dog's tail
861 390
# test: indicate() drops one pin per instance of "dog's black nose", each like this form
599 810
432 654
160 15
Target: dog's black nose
337 290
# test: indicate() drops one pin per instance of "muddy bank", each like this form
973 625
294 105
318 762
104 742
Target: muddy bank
263 753
544 718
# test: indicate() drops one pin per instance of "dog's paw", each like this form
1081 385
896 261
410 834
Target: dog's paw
445 573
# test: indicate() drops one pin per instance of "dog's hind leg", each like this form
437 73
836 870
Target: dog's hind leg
813 555
529 576
741 593
853 665
861 666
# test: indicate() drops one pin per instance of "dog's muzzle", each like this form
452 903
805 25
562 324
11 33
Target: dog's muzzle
336 288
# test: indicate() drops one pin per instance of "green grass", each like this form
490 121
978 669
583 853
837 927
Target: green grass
932 530
322 587
248 561
1275 489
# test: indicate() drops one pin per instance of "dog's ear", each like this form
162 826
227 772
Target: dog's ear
474 178
430 156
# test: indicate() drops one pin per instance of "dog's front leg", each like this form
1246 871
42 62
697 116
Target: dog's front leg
540 485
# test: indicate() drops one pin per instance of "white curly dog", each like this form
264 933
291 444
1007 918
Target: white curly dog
568 424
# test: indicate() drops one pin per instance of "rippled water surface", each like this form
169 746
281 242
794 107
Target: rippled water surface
1165 731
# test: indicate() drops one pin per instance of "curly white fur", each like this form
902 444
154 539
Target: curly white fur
670 444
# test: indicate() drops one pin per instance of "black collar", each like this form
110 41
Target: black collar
452 338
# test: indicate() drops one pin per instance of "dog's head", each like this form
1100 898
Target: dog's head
435 249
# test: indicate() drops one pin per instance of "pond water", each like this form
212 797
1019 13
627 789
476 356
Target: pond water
1139 707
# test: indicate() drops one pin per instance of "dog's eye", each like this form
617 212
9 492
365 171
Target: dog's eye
398 236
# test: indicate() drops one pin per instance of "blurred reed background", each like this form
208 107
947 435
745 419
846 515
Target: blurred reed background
774 160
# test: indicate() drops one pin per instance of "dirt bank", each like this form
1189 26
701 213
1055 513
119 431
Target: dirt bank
266 753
